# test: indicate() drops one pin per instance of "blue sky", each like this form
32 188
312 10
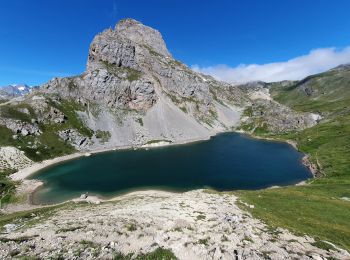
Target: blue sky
42 39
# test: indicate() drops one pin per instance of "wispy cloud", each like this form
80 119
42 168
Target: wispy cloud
114 11
315 61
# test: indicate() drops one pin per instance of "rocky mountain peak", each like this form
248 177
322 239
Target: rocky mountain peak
125 46
142 34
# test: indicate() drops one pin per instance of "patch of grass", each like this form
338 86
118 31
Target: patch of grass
131 74
87 243
323 245
248 111
177 229
17 239
204 241
6 136
248 239
200 217
158 141
140 121
48 144
7 187
31 217
224 238
184 109
152 51
68 229
104 136
14 112
131 227
158 254
261 130
70 108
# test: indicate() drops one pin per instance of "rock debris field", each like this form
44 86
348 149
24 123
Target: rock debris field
193 225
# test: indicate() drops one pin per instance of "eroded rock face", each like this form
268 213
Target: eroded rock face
279 118
124 45
20 127
73 137
12 158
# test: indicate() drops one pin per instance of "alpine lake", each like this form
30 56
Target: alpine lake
226 162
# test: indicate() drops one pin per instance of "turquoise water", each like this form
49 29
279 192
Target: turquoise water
226 162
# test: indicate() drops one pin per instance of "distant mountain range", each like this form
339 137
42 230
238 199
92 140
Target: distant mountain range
12 91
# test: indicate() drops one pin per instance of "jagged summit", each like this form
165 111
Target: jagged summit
127 45
142 34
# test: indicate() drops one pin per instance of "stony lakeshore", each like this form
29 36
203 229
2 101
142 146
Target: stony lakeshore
193 225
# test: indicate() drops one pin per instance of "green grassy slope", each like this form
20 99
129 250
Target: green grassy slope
45 146
321 208
329 93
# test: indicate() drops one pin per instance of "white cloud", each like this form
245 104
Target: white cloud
316 61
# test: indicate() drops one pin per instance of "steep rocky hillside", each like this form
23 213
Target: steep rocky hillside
264 114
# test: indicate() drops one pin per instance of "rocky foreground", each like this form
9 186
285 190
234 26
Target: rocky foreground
193 225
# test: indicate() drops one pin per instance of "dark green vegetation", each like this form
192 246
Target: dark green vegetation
14 111
7 187
320 208
47 145
70 108
158 254
104 136
131 74
31 217
158 141
327 93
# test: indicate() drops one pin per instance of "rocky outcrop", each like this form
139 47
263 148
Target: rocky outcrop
74 138
274 117
13 158
20 127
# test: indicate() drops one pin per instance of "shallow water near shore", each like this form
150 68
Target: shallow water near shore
227 161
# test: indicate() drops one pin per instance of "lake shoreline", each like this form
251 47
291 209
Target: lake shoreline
26 172
306 161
